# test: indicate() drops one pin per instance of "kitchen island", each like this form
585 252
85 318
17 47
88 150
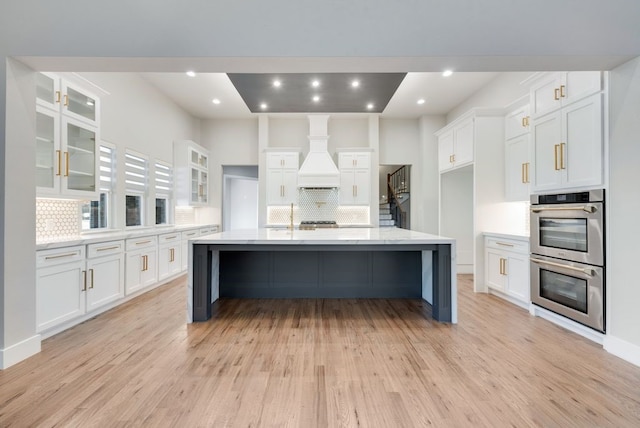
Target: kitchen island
322 263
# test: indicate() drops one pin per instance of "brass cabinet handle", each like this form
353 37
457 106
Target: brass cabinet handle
66 100
527 119
500 265
58 95
555 157
59 153
562 95
504 244
356 187
171 237
353 190
91 275
562 165
84 280
143 242
454 157
59 256
504 266
556 94
108 248
522 167
66 161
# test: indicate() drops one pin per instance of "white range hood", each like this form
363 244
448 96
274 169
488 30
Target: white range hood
318 169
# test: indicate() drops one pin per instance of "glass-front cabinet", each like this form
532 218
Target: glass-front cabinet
191 163
67 138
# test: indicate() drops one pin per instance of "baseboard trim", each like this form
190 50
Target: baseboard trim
20 351
568 324
622 349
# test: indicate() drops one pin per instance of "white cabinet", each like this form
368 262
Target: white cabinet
355 178
517 169
142 263
105 273
516 122
191 166
557 90
507 268
567 147
60 286
67 139
169 255
186 235
282 178
455 146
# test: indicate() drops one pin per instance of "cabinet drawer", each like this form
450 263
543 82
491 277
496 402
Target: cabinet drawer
59 256
189 234
208 230
104 249
507 245
168 238
138 243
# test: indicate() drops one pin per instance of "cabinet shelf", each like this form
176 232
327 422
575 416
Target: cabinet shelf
81 150
82 173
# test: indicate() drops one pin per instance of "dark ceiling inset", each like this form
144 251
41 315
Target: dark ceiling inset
335 91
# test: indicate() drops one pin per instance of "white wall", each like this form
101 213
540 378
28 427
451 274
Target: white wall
347 132
289 132
427 205
456 209
623 201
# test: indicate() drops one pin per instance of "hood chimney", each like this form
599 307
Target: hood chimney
318 169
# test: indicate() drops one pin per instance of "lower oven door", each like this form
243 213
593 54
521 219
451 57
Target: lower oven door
572 289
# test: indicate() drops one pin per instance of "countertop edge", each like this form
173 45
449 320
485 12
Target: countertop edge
514 236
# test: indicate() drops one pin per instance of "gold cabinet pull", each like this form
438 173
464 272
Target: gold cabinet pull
524 122
562 95
527 171
555 157
115 247
504 244
500 265
59 153
562 165
59 256
504 266
66 100
58 95
84 280
66 166
527 119
522 167
454 157
556 94
91 277
356 187
143 242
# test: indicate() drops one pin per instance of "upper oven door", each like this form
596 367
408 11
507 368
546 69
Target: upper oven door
569 231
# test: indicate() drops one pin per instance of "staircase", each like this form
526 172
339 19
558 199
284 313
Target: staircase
385 216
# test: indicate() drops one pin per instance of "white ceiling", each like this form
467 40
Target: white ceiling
441 94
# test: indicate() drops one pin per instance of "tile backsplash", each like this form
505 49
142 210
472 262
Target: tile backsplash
57 219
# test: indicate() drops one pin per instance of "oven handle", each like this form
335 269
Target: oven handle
586 208
586 271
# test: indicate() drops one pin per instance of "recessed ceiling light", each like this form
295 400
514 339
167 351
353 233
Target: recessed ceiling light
421 101
355 83
263 106
316 98
191 73
277 83
315 83
215 101
447 73
370 106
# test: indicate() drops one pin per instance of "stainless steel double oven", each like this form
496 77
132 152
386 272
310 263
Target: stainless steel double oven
568 255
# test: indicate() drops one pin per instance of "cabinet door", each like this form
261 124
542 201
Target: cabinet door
169 261
48 92
175 260
194 189
133 268
105 281
362 161
580 84
204 187
517 271
445 151
80 104
463 144
290 160
347 187
495 261
517 169
582 153
48 152
60 294
290 186
149 273
545 153
80 158
275 187
361 181
545 95
516 123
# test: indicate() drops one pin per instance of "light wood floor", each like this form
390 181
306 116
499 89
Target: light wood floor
319 363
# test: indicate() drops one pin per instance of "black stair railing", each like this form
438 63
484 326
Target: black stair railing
398 188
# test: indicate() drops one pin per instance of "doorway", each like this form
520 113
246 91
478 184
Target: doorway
239 197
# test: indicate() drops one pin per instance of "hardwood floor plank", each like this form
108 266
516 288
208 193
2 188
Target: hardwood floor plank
319 363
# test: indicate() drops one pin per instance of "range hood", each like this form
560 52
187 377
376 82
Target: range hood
318 169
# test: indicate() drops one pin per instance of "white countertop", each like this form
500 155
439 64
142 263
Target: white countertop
339 236
523 236
93 238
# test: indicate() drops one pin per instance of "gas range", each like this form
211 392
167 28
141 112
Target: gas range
320 224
